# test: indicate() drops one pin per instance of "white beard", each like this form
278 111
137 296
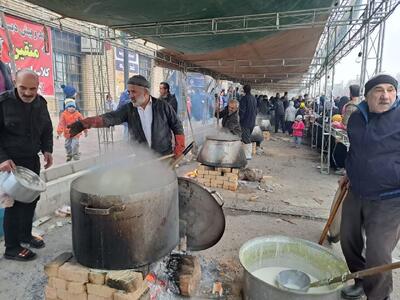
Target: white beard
139 101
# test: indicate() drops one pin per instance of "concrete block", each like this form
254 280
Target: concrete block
233 179
50 282
50 292
214 173
100 290
60 284
51 269
58 172
235 171
97 277
126 280
82 296
95 297
83 164
205 168
76 287
73 272
62 294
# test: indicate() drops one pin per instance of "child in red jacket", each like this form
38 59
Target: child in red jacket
298 128
69 116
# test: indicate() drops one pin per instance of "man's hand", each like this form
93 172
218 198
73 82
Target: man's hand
48 158
179 145
81 125
76 128
7 166
343 181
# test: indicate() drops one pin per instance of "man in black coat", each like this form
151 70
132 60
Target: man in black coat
230 117
166 95
247 114
25 130
150 120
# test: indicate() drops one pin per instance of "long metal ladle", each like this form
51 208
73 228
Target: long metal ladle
295 280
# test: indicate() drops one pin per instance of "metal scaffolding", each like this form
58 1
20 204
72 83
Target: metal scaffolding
101 85
369 32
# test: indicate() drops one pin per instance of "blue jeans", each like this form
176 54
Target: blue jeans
297 140
72 147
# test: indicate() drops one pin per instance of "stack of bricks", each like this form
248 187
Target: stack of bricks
253 148
225 178
68 280
267 135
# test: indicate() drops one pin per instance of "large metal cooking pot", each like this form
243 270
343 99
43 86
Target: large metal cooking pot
222 151
124 217
22 184
293 253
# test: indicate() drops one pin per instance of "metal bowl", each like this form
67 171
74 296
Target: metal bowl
22 184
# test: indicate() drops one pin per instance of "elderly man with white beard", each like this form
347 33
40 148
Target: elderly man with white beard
149 120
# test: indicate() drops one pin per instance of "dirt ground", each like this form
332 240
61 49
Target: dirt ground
295 202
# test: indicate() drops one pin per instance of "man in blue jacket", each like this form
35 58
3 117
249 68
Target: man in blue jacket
372 206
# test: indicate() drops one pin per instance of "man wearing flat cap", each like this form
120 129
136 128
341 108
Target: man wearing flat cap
149 120
370 227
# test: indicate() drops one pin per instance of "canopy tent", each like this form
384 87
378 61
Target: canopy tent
258 41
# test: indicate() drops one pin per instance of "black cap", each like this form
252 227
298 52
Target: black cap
354 90
378 79
139 80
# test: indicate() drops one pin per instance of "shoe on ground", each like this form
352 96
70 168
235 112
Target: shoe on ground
69 158
354 291
35 242
21 254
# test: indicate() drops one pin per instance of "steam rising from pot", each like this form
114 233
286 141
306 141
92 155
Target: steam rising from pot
124 173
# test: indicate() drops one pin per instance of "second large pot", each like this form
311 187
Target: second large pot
222 151
115 227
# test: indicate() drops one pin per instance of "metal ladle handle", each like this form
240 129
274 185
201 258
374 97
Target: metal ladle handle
359 274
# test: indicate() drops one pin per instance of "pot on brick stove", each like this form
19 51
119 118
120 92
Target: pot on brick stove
129 216
124 217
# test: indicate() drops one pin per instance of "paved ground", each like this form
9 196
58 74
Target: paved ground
296 201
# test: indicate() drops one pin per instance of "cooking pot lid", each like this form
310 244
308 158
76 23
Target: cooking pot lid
200 214
223 137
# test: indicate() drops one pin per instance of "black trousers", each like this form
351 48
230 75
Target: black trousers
289 128
380 221
18 218
246 135
280 121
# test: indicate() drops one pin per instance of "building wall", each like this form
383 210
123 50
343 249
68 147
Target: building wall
91 89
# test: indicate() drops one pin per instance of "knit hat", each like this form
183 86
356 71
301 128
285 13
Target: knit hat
299 117
69 91
302 105
378 79
337 118
139 80
70 103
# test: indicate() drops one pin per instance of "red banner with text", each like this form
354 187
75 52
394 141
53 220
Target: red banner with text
32 50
